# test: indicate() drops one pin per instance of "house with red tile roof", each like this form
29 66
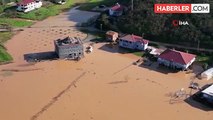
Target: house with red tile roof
28 5
176 59
133 42
116 10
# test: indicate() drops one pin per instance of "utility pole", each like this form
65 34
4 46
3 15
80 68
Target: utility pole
132 7
101 27
142 35
198 45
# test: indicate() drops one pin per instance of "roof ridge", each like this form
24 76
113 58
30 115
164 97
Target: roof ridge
181 56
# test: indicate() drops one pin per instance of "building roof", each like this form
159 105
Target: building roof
208 90
111 33
117 7
68 41
155 51
177 56
25 2
134 38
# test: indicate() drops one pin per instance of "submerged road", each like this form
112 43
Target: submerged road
181 46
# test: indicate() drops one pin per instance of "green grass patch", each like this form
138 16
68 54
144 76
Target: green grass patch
47 11
4 56
204 59
39 14
3 7
154 45
15 22
67 5
4 36
139 53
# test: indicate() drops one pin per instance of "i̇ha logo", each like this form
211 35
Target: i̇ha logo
179 23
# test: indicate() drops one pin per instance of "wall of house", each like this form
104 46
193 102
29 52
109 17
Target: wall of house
209 98
139 46
108 38
132 45
115 13
126 44
72 52
115 37
171 64
174 64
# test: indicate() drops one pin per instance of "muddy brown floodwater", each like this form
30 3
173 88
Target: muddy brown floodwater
105 85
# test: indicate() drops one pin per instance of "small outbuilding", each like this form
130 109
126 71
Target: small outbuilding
111 36
208 74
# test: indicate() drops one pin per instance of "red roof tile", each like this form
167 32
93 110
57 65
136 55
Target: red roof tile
25 2
177 56
135 38
117 7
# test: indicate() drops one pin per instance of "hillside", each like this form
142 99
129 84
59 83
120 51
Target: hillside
158 27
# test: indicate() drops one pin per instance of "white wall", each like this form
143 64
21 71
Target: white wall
170 64
30 6
115 13
208 74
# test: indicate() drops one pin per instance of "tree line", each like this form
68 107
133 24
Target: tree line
158 27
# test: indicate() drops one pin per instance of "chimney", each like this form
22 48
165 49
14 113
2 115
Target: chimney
117 4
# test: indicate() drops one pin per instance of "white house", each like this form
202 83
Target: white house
28 5
176 59
116 10
133 42
208 74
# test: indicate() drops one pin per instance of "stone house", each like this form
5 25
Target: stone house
70 48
